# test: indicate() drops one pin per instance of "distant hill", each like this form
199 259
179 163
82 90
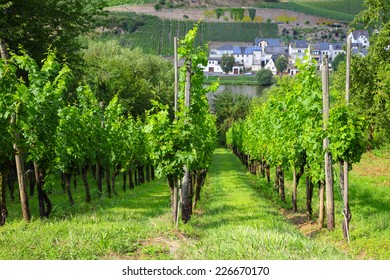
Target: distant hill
342 10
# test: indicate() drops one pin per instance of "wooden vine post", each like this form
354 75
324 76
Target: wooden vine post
175 180
185 188
328 156
21 174
346 211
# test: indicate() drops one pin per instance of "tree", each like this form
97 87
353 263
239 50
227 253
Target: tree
252 13
136 77
228 108
338 59
227 63
281 64
265 77
37 25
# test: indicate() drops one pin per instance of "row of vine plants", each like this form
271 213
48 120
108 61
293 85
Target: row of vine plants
61 137
286 133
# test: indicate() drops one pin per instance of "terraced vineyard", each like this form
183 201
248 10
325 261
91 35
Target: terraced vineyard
155 35
343 10
345 6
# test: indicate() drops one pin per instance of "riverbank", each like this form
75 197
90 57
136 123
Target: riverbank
232 80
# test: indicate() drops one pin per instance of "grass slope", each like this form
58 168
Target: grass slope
238 222
106 229
369 199
239 217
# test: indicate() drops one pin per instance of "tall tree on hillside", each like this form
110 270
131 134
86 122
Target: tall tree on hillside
252 13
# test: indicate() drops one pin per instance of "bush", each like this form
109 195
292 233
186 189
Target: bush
265 77
157 7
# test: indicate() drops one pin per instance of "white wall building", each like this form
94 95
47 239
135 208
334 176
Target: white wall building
359 39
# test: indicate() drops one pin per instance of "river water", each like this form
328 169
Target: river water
249 90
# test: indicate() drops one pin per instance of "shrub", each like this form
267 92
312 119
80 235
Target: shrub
157 7
265 77
209 13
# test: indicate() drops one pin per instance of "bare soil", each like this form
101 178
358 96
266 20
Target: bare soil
199 13
302 222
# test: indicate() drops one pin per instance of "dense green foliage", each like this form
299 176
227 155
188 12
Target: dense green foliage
137 78
229 107
96 127
227 63
155 35
265 77
370 83
281 64
287 130
189 139
37 25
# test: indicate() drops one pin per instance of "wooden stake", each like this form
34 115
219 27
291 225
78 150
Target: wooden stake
185 188
176 65
346 210
175 183
328 157
21 174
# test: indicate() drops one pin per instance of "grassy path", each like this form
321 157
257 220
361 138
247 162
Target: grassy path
237 222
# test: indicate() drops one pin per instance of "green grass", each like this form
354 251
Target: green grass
369 202
237 221
129 2
239 217
232 80
105 229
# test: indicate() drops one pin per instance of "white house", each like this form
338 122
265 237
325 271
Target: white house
213 65
219 52
267 42
247 56
320 50
271 64
297 50
359 39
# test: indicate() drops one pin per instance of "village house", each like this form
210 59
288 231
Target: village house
265 51
359 39
247 56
